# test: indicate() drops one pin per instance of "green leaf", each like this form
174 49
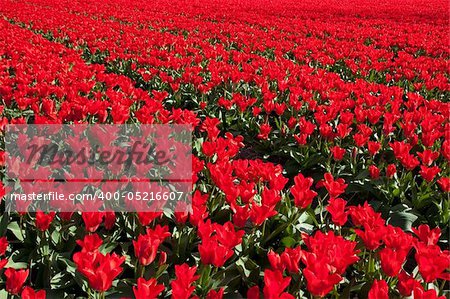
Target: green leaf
15 229
18 265
402 219
61 280
288 241
56 236
4 223
107 247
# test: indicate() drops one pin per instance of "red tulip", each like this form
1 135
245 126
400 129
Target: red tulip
334 187
218 242
43 220
15 280
275 284
444 183
100 270
303 195
406 284
374 172
319 277
392 260
373 147
147 289
29 293
391 170
289 259
264 131
92 220
269 200
379 290
336 207
427 235
3 263
90 243
146 246
338 153
253 293
213 294
145 218
427 157
420 293
428 173
182 287
432 261
3 245
110 219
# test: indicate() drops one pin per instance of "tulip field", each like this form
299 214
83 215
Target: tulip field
320 146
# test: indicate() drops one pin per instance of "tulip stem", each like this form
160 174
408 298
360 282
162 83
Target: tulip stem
264 228
371 264
141 270
45 247
205 277
441 287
